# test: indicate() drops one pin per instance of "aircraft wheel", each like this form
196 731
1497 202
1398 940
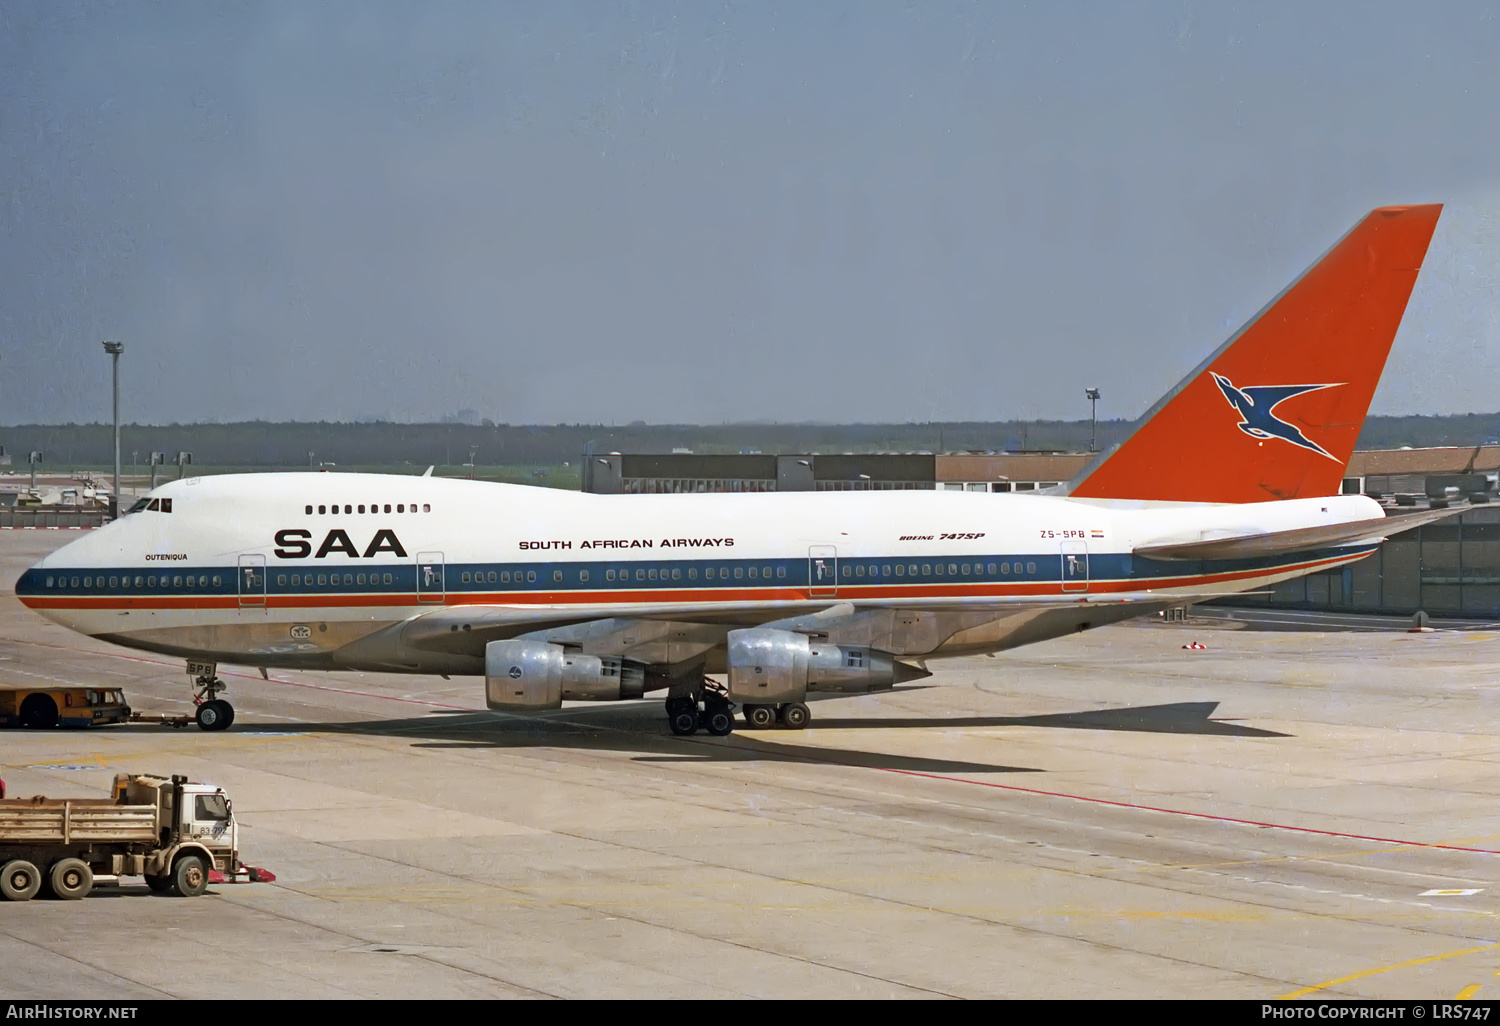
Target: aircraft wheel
760 716
795 715
684 722
19 880
720 722
70 879
212 715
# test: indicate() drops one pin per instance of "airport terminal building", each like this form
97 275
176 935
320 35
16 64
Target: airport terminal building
1451 568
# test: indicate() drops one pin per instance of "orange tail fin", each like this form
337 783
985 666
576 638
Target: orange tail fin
1275 412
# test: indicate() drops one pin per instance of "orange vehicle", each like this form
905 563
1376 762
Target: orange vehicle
64 706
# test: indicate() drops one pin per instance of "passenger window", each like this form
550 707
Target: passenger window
465 577
557 575
609 575
900 570
88 582
359 578
348 508
640 575
531 577
708 573
150 582
781 571
583 575
322 580
651 573
388 507
752 573
739 572
309 511
281 580
765 571
192 582
847 571
859 571
218 581
492 577
926 569
296 580
1031 568
964 569
387 578
937 570
723 573
176 580
49 582
692 573
400 507
114 582
361 507
676 574
885 571
348 578
426 508
991 569
321 510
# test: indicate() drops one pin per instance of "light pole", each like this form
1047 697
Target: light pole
114 349
1092 394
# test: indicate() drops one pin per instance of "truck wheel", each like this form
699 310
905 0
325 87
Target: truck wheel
39 711
158 884
19 880
71 879
189 877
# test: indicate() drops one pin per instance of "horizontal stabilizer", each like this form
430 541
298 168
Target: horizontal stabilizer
1276 543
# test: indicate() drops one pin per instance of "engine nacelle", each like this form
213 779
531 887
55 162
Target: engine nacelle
769 666
523 674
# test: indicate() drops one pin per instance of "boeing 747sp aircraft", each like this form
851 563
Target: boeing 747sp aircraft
1229 484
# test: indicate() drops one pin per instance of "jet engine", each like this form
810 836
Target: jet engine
768 666
524 674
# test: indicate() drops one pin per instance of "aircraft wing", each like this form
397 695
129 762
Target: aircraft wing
1276 543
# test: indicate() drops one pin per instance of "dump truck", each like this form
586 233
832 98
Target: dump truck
173 832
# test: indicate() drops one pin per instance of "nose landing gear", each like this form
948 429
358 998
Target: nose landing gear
214 713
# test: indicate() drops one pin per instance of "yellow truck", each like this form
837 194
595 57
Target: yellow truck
65 706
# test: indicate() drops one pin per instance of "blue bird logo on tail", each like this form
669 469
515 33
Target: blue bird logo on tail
1256 405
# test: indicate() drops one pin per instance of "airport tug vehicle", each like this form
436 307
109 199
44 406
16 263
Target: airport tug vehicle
181 836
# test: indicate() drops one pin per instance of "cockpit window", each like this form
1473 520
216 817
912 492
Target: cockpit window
139 505
211 807
153 505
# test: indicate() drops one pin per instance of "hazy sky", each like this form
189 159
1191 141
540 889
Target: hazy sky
710 212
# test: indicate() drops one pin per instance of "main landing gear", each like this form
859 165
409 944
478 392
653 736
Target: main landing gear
791 715
703 703
214 713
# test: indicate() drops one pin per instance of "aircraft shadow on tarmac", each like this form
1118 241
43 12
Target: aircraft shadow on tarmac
1174 718
639 729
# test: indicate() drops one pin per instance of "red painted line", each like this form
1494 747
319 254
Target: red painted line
1192 815
272 680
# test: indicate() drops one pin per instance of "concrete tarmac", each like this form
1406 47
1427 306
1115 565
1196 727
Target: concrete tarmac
1284 813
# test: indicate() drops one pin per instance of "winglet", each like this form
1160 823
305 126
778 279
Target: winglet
428 472
1275 411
